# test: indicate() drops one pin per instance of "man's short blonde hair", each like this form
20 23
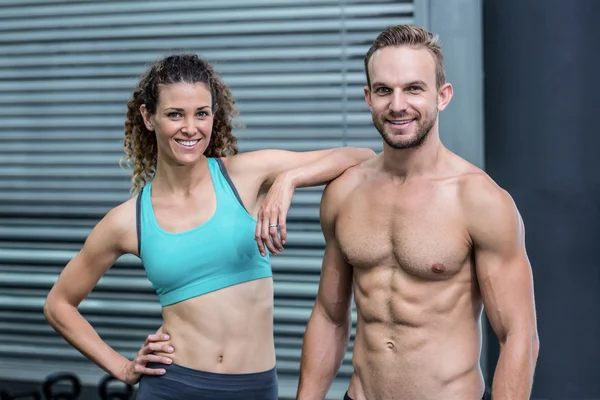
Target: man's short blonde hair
413 36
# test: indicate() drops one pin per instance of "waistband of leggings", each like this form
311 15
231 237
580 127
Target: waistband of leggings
199 377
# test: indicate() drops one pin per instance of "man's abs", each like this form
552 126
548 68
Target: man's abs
416 340
415 363
227 331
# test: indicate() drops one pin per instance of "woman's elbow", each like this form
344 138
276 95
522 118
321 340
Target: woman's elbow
49 309
364 153
52 308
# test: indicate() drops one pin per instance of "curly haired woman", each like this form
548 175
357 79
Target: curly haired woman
196 209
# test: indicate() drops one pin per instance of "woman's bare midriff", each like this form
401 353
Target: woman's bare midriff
228 331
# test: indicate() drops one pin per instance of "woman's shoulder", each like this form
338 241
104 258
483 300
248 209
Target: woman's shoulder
122 217
252 162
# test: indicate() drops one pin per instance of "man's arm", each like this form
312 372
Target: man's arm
328 329
506 284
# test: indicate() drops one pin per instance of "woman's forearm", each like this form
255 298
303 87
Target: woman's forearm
78 332
329 167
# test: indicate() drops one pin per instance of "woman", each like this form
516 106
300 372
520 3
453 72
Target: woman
192 223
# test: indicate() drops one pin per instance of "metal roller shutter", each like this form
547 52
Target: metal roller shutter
295 69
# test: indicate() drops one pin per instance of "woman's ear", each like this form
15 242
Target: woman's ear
147 116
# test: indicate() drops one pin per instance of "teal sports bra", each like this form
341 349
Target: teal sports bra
219 253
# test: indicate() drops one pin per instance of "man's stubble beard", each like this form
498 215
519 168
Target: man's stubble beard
423 129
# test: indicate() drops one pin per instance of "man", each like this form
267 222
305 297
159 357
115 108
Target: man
424 239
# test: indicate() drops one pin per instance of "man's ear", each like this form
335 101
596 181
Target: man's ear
368 96
445 94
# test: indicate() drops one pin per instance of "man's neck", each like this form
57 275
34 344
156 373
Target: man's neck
414 161
180 179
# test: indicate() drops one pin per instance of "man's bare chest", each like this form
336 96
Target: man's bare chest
422 235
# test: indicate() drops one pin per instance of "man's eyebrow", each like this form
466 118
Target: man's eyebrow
417 82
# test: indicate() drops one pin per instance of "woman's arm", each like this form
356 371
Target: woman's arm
112 237
309 168
283 172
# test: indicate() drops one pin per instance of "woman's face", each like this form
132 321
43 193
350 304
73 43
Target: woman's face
182 123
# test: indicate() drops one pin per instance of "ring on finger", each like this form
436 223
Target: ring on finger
273 225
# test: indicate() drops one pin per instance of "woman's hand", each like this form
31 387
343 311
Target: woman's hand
271 219
133 370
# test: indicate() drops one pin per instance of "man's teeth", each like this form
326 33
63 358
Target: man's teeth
187 142
401 122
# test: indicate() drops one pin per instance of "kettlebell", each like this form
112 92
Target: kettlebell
125 392
51 392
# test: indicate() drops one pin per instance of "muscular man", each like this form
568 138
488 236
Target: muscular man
424 240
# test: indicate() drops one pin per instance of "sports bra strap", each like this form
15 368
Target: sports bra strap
138 220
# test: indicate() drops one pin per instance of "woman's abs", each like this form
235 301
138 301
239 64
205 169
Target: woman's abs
229 331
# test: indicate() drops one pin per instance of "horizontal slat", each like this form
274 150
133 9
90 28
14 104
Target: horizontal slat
214 56
241 94
256 108
189 44
236 82
202 30
205 16
59 4
132 7
293 120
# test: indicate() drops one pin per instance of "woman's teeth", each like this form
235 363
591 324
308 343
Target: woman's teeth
187 143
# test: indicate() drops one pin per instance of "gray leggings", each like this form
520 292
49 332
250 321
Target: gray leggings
181 383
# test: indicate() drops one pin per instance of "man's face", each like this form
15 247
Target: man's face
403 97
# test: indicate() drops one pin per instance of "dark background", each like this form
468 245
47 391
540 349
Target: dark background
542 63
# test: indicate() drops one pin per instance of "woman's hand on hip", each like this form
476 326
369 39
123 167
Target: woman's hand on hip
155 343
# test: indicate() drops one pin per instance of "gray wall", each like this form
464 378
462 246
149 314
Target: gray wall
68 68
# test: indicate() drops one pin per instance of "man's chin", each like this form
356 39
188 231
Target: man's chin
399 141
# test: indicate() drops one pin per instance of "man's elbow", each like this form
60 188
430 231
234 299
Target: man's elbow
535 346
526 340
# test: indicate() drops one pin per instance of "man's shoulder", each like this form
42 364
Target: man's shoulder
485 203
478 189
351 178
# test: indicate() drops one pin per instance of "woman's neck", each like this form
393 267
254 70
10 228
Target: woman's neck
179 179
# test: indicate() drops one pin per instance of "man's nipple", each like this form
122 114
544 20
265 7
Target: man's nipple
438 268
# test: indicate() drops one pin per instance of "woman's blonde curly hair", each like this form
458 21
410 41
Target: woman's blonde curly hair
140 143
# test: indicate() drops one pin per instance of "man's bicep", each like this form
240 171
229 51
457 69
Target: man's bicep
503 269
507 291
335 285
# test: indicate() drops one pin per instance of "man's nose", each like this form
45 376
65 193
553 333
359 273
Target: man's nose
398 103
